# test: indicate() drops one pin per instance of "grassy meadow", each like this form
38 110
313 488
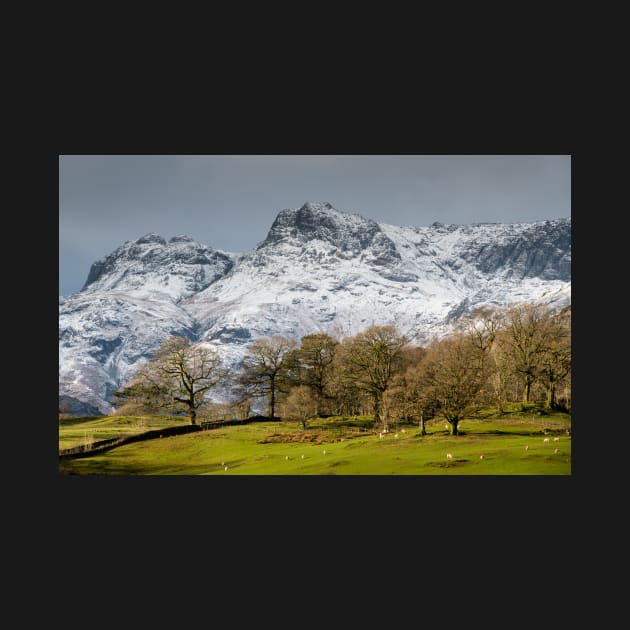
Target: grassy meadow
512 444
80 431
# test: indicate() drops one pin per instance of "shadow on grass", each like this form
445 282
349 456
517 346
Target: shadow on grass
107 468
524 433
453 463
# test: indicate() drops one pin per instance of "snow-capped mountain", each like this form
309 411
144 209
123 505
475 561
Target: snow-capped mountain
128 306
318 269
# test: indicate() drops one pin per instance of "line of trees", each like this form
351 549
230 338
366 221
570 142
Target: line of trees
494 357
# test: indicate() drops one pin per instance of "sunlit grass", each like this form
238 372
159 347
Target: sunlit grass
73 431
352 448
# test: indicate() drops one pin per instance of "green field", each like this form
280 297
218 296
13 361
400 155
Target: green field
87 430
352 448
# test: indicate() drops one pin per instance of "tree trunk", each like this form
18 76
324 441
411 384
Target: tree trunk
551 396
319 396
423 430
272 401
377 408
386 419
453 424
526 390
193 415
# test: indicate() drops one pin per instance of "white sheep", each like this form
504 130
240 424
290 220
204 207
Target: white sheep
286 457
402 430
546 440
527 448
449 456
225 468
556 439
302 456
324 451
380 435
480 456
556 450
396 435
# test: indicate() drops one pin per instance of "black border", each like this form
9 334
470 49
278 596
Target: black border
320 123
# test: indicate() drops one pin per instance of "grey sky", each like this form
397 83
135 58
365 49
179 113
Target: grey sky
229 202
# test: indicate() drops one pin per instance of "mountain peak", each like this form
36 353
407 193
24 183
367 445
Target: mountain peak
151 237
351 235
317 205
318 220
180 267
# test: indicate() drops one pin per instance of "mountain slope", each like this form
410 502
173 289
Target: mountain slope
127 308
318 269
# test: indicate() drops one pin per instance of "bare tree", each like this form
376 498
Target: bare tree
481 326
413 397
177 379
500 377
345 397
266 369
315 359
452 377
526 338
371 359
301 405
556 357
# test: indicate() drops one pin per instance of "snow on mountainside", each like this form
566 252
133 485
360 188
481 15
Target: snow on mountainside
318 269
128 306
150 264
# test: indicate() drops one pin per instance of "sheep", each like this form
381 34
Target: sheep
446 426
527 448
556 450
302 456
449 456
396 435
480 456
402 430
546 440
324 451
286 457
225 468
380 435
556 439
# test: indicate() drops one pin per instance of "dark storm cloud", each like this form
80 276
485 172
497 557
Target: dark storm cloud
230 202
